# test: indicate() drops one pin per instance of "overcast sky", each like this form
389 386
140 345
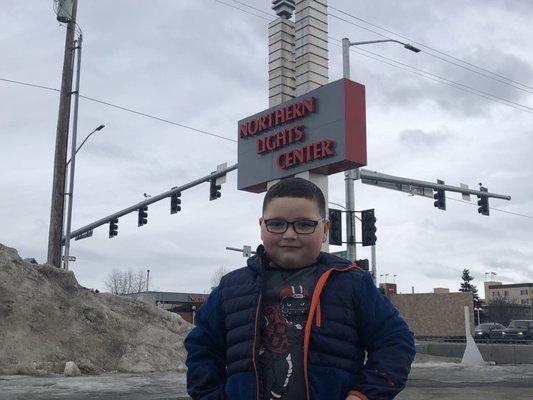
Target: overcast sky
204 64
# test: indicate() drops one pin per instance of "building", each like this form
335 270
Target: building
519 293
438 314
388 288
184 304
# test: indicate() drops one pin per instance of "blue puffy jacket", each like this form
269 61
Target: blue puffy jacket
348 316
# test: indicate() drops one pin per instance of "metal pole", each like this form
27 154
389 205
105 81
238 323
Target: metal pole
151 200
350 175
350 216
73 154
60 157
374 263
346 58
147 279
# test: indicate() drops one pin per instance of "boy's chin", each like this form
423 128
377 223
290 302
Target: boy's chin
290 262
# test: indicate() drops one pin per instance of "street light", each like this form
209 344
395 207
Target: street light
99 128
346 44
70 193
351 175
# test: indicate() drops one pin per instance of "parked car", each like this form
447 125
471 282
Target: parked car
487 329
519 330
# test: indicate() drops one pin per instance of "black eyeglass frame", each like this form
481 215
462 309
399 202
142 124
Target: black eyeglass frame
288 223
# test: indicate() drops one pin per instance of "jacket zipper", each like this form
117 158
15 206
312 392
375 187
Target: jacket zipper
254 354
315 304
254 350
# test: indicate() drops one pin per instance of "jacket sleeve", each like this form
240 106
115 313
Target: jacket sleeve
388 342
206 352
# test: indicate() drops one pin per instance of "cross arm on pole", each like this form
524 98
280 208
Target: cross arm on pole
151 200
380 179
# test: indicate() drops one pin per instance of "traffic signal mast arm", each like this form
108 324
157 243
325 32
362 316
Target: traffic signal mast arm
411 185
151 200
368 177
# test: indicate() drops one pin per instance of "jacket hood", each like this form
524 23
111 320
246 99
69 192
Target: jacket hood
325 261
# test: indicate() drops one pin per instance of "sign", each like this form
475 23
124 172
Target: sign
465 196
70 258
322 131
197 298
342 253
402 187
247 251
84 235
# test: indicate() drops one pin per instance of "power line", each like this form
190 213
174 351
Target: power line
494 209
253 8
158 118
194 129
30 84
442 80
445 81
240 9
431 48
124 109
434 55
513 84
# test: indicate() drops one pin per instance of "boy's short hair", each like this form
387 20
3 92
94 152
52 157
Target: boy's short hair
296 187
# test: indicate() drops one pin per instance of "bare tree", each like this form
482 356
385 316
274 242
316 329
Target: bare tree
219 273
125 282
504 310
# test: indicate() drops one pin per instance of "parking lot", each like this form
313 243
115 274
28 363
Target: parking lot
432 378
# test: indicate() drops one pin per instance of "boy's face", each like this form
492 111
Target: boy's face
291 249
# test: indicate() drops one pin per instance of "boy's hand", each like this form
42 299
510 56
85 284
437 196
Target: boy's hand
352 397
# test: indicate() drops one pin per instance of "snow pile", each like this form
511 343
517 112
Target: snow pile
48 319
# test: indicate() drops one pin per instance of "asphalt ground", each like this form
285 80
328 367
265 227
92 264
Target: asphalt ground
430 379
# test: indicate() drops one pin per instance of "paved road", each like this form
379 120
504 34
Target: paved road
428 381
451 381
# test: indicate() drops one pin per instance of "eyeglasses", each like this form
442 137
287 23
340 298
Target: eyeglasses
302 226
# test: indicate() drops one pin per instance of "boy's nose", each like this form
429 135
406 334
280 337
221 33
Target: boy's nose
290 232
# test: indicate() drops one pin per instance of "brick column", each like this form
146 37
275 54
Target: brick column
311 45
281 61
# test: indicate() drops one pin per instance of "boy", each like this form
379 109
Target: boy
295 323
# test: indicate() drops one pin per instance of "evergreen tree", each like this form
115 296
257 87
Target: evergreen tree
466 286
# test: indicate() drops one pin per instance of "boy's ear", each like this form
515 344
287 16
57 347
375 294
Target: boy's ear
260 221
327 226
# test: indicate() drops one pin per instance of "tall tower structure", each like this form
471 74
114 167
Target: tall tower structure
311 45
298 51
281 67
298 59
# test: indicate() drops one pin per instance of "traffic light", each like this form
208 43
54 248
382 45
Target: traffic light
363 264
214 190
440 197
335 229
483 202
175 202
368 224
143 216
113 227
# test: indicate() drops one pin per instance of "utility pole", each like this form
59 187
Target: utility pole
73 139
60 157
351 175
374 272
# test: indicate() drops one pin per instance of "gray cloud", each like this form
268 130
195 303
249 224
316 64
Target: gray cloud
203 64
419 138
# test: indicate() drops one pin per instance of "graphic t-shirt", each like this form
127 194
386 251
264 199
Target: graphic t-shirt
286 300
